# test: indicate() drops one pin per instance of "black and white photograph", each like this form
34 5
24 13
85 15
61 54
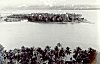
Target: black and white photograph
49 32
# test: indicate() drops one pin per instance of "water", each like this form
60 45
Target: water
15 34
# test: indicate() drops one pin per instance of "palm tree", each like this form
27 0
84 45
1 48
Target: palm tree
1 47
68 51
47 48
59 45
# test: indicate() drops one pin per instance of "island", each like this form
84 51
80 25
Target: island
46 17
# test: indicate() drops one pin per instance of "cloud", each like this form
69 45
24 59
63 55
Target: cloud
5 3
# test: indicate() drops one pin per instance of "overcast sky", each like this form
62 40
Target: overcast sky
5 3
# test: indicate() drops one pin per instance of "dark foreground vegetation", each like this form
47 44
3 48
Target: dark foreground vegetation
46 17
58 55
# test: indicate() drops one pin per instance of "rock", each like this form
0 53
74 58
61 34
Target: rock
1 54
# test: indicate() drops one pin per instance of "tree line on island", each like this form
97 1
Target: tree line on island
46 17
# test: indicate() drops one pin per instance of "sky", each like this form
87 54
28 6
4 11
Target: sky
18 3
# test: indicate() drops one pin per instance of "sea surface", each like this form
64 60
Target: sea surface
16 34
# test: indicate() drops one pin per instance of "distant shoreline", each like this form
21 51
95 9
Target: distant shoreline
55 7
49 9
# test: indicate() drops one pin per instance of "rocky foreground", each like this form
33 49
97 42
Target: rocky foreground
58 55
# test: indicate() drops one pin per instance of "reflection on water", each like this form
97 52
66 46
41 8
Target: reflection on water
16 34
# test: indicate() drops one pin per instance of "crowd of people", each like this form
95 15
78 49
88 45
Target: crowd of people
58 55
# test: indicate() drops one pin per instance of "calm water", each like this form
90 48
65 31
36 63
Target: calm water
15 34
